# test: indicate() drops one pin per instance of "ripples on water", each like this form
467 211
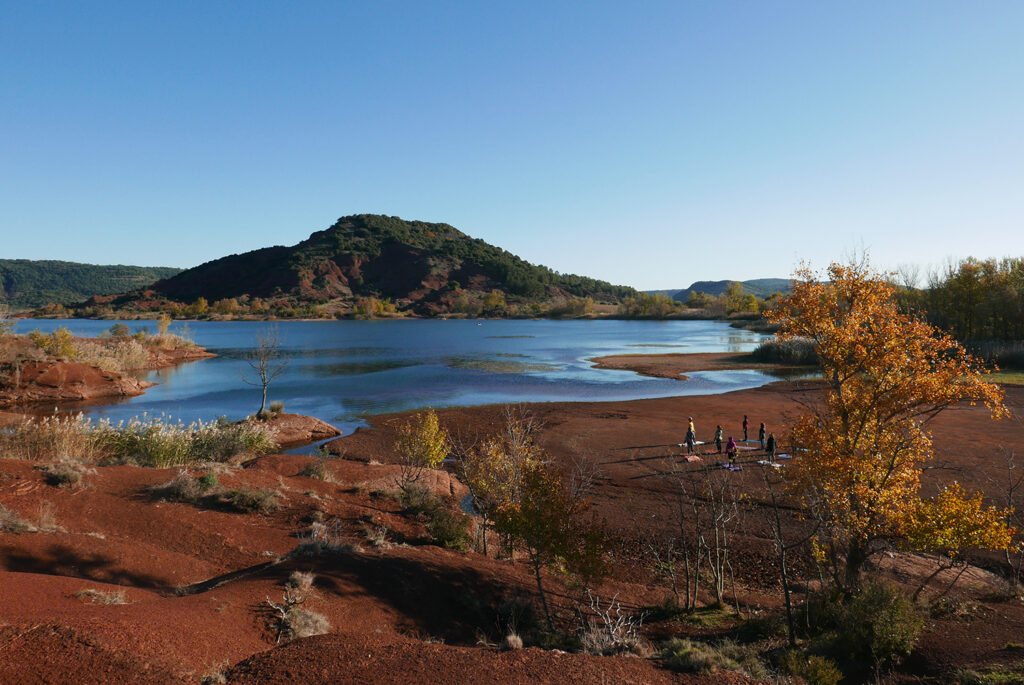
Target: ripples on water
340 371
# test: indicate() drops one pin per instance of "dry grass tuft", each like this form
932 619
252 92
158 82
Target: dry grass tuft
101 597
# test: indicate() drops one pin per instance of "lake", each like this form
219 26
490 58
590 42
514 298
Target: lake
342 371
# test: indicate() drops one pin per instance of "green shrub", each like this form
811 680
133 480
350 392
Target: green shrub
450 529
876 627
418 499
208 480
816 670
276 407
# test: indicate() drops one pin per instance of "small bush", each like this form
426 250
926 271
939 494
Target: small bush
746 657
377 535
418 499
208 480
184 487
11 522
876 627
299 623
689 656
102 597
65 474
816 670
314 468
276 407
450 529
511 641
247 501
797 352
302 582
325 538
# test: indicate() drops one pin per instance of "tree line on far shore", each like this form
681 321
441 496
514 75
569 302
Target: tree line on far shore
979 302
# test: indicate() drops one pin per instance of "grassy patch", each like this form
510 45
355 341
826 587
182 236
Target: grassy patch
991 675
1008 377
146 442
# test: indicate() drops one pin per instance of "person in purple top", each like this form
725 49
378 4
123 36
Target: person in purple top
730 450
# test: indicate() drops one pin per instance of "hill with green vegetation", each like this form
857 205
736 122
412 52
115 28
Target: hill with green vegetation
369 265
26 283
758 287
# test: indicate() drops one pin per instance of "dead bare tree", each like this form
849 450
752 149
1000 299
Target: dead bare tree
721 502
266 360
1011 485
773 481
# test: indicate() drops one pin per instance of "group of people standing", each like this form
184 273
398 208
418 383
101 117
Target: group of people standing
766 439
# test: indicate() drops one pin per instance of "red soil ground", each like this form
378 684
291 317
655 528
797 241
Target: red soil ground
196 577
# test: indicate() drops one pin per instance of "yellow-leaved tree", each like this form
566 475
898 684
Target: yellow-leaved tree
865 444
516 487
421 444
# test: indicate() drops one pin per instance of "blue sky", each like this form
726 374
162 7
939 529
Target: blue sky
645 143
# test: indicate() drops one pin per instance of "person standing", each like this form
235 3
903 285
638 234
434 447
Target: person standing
760 434
771 447
745 424
691 428
730 451
718 439
691 439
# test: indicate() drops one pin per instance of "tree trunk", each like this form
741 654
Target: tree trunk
535 560
856 555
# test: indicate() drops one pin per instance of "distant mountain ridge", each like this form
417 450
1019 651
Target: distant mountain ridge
760 287
423 268
28 283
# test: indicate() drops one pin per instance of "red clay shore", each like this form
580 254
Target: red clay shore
196 577
53 380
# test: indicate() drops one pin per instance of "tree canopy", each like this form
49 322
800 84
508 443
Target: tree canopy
887 374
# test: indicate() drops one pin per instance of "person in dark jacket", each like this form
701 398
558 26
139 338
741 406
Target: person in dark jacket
718 439
772 445
760 434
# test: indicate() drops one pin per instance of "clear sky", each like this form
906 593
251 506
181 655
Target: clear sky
645 143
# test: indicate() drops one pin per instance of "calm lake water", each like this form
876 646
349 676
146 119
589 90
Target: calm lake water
341 371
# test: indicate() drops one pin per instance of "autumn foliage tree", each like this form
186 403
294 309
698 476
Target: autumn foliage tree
421 444
531 505
887 374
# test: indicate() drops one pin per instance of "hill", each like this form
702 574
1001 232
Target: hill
385 263
26 283
761 287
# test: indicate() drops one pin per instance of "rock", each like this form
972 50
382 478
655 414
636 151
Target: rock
294 430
